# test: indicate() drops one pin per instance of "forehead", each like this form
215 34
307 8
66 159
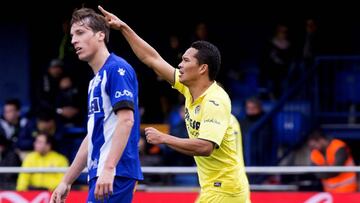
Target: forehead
9 106
80 25
190 53
40 137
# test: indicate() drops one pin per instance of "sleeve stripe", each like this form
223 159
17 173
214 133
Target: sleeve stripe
123 105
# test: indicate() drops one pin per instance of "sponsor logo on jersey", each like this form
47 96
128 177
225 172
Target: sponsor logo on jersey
126 93
214 102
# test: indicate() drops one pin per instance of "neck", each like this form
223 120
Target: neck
196 90
99 59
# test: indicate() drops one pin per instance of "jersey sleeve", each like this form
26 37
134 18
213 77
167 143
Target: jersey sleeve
178 85
121 87
215 121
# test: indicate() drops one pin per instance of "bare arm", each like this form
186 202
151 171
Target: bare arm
77 166
147 54
192 147
104 184
120 137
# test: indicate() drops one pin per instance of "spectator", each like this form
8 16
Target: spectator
43 156
332 152
276 61
8 157
49 86
261 140
311 43
200 32
44 122
67 103
12 122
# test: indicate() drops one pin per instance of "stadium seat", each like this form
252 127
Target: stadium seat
289 127
347 85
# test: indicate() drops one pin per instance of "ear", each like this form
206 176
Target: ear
101 36
203 68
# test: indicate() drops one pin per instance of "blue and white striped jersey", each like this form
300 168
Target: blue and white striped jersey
113 88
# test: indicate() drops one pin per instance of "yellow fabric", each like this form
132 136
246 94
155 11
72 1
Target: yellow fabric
213 197
234 123
41 180
208 118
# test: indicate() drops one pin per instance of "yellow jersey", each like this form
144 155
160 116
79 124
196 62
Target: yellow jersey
208 118
41 180
234 123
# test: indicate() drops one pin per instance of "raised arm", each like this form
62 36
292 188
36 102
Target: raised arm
147 54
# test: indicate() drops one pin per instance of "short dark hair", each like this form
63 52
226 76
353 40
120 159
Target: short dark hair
49 138
255 100
15 102
317 134
93 20
56 63
208 54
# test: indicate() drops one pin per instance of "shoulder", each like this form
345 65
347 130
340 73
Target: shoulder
31 156
338 142
218 97
59 156
118 65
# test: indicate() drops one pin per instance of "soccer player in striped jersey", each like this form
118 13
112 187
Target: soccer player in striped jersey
110 149
207 115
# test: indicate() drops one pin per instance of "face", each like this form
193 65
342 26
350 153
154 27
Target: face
65 83
55 71
310 26
314 144
85 41
174 42
252 109
189 67
40 145
11 114
201 31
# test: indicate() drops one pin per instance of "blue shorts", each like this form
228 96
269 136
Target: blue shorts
123 191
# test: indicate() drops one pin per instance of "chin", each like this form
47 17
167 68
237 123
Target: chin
83 58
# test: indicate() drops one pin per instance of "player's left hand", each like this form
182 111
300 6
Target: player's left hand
104 185
154 136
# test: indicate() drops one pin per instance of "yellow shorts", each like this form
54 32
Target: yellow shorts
213 197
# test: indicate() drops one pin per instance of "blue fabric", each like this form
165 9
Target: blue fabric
123 191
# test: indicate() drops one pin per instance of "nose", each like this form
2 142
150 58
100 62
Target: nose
73 40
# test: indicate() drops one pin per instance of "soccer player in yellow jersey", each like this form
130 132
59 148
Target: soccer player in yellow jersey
207 114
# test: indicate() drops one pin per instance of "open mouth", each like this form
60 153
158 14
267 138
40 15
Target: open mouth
78 49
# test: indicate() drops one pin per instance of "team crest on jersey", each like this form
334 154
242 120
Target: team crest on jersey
121 71
94 106
197 109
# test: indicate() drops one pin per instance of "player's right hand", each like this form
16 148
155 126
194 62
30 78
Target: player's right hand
60 193
111 19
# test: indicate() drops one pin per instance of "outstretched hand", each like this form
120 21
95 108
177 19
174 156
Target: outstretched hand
111 19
